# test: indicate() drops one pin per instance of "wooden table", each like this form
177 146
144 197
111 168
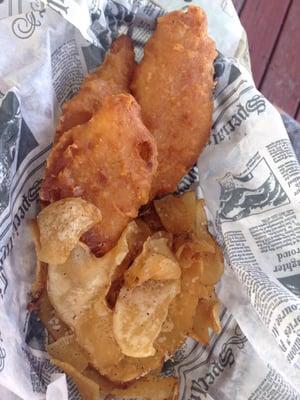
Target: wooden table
273 30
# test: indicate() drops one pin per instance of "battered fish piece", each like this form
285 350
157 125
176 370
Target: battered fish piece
109 161
111 77
174 84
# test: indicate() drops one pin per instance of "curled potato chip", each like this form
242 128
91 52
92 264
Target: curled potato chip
73 285
49 317
88 389
67 349
213 267
40 280
41 268
94 332
179 322
189 250
178 325
105 385
156 262
177 214
139 315
207 316
130 368
60 226
149 388
135 240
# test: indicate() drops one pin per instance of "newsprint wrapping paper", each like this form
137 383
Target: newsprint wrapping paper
248 174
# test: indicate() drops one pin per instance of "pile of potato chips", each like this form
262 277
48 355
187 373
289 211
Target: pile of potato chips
113 321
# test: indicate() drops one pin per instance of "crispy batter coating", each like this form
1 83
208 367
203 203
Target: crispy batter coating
174 84
108 161
111 77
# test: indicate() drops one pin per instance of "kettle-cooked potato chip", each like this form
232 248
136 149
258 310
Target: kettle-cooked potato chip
106 386
94 332
49 317
139 315
179 322
213 267
156 262
189 249
60 226
130 368
66 349
177 214
136 240
149 388
88 389
207 316
72 285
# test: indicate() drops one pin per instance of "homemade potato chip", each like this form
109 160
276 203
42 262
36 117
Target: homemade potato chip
136 240
179 322
67 349
213 267
94 332
139 315
130 368
138 303
189 250
88 389
177 214
40 280
73 285
41 268
156 262
60 226
49 317
149 388
106 386
207 316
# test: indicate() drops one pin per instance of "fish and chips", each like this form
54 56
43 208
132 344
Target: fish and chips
126 269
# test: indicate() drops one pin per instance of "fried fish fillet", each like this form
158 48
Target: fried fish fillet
174 84
108 161
111 77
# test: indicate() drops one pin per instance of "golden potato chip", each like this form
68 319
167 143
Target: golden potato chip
135 243
73 285
67 349
88 389
41 268
139 315
40 280
47 314
207 316
212 267
179 322
200 216
130 368
136 237
189 250
105 385
94 332
156 262
60 226
177 214
149 388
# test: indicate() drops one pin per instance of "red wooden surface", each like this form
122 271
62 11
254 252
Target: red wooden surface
263 20
239 4
274 39
282 80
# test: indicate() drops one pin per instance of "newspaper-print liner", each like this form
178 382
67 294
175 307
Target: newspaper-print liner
19 143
